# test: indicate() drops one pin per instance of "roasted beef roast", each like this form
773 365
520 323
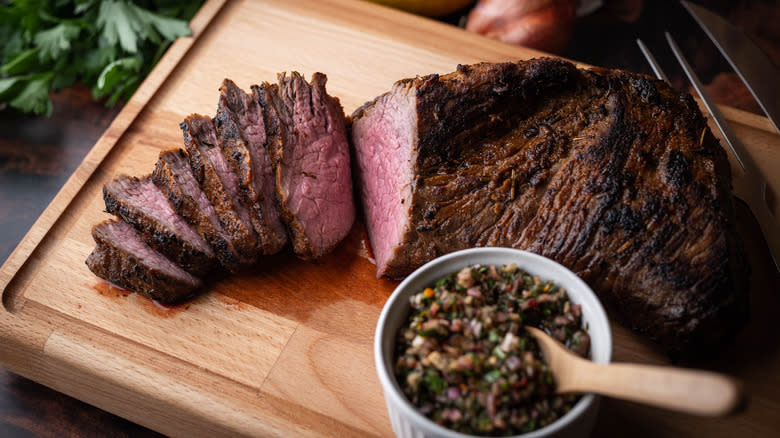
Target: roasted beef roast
310 155
614 175
127 261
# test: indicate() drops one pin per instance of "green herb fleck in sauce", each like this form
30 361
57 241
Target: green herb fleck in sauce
466 361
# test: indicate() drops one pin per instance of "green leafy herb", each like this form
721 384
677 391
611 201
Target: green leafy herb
498 352
108 45
55 42
427 333
434 382
29 93
493 375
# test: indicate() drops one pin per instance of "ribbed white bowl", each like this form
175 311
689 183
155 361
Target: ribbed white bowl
406 421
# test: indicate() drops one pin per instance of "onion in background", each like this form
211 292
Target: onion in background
540 24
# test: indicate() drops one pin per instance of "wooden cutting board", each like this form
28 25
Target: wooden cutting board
286 348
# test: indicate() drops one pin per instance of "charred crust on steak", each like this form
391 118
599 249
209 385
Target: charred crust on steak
200 141
614 175
122 258
244 143
173 176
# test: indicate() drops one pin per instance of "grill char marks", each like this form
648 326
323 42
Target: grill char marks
603 171
655 236
219 184
173 176
140 203
241 131
307 140
439 159
122 258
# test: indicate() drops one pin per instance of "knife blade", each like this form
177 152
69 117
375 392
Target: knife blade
756 69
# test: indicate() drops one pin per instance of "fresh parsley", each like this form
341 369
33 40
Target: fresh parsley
108 45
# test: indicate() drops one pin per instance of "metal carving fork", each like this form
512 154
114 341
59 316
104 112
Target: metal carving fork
751 187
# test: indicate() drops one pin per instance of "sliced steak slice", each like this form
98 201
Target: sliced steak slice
219 183
122 258
241 132
310 155
140 203
173 176
612 174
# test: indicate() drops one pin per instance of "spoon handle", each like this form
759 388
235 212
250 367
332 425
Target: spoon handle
696 392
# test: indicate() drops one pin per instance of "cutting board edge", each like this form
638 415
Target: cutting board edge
23 252
58 374
60 357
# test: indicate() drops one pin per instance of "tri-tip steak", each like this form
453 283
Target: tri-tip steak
613 174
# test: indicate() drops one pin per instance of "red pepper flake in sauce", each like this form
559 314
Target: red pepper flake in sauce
466 361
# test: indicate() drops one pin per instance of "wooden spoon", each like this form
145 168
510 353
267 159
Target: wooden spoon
695 392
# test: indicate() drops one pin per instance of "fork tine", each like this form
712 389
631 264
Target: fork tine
753 182
714 111
651 60
736 146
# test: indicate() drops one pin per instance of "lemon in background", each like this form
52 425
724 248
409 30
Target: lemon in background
431 8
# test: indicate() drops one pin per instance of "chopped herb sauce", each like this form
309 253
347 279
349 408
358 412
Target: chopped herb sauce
465 360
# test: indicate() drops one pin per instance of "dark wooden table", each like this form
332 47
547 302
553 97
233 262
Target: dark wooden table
38 154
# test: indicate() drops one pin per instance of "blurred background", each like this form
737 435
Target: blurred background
604 32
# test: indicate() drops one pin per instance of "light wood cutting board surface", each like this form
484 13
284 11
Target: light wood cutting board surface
285 349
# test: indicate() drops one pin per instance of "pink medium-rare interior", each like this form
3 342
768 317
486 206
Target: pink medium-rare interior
386 150
228 177
319 189
154 203
127 238
252 123
318 179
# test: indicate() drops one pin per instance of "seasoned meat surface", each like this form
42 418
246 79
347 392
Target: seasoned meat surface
140 203
122 258
241 132
173 176
612 174
219 183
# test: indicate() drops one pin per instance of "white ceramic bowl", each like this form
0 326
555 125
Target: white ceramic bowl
406 420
